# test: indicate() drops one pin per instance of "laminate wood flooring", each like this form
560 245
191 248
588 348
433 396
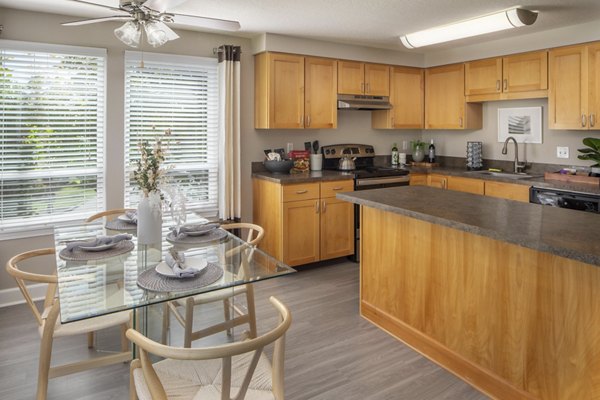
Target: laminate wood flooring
331 352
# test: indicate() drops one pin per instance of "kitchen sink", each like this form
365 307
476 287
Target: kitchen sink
508 175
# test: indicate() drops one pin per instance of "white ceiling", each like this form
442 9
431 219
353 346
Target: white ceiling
374 23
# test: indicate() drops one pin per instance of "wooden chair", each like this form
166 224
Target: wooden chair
212 372
49 326
108 213
254 235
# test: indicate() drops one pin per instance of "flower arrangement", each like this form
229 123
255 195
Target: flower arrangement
149 172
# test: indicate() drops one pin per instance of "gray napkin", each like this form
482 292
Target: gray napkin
178 266
132 215
183 230
99 241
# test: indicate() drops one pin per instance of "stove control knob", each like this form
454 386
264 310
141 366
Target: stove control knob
332 151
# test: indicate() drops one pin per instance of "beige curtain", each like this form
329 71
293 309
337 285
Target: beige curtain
229 132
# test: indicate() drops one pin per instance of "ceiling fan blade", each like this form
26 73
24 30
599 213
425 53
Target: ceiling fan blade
97 5
162 5
171 35
206 22
95 20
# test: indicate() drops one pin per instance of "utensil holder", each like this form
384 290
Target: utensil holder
474 155
316 162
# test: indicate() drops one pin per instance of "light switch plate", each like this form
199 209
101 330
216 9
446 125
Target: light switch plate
562 152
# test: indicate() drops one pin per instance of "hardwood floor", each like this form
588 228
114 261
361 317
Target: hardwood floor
331 352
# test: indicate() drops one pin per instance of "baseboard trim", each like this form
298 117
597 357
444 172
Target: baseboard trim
12 296
480 378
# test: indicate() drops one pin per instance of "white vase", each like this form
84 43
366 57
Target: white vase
418 155
149 220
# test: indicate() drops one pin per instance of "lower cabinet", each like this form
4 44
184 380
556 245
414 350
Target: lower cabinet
467 185
510 191
437 181
304 222
418 179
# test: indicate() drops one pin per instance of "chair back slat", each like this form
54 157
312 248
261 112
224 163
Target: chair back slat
249 374
21 277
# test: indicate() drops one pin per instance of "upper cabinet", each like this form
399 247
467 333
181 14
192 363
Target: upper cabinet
519 76
574 94
445 101
363 78
294 92
407 98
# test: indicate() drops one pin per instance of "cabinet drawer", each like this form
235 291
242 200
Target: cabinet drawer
301 191
329 189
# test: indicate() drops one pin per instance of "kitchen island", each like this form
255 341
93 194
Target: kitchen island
501 293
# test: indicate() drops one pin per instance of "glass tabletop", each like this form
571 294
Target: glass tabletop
90 288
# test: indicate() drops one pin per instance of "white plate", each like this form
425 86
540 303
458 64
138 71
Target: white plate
124 218
199 263
99 248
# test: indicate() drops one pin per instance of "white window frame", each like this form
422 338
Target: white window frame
45 225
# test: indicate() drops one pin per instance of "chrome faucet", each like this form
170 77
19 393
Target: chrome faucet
519 167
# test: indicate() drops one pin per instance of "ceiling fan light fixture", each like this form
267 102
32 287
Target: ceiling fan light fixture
507 19
130 34
155 35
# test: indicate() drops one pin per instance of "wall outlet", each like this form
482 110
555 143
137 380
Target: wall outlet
562 152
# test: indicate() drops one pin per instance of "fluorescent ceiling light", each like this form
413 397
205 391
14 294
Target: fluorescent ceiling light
511 18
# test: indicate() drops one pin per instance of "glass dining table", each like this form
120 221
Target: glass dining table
102 284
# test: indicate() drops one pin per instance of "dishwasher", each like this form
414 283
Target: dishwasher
565 199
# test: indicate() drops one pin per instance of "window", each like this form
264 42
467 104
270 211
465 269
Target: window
51 134
179 94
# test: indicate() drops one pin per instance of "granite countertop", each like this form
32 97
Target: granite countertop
312 176
566 233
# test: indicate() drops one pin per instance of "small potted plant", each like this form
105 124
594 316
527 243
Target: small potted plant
591 153
418 150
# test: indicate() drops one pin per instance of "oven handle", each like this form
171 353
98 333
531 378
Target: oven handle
382 181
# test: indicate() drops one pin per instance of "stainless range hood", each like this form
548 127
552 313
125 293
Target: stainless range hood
360 102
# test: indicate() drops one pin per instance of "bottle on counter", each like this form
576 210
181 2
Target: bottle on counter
395 155
431 156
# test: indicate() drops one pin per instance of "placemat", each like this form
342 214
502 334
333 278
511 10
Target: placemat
118 225
212 236
151 280
124 246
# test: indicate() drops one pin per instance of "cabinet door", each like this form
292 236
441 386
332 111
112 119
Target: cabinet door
418 179
301 232
467 185
525 72
567 93
286 93
594 86
510 191
337 228
320 93
483 76
445 97
408 98
351 77
437 181
377 80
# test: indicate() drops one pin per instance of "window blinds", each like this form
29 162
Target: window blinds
51 134
180 94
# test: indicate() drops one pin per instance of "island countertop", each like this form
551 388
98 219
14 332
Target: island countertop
562 232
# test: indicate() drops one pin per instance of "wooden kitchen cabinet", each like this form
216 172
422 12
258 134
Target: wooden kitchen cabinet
468 185
363 78
437 181
518 76
574 88
294 92
510 191
407 96
445 101
304 222
417 179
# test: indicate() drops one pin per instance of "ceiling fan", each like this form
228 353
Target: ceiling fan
152 15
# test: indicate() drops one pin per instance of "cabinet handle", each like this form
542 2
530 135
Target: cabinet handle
324 206
308 120
498 85
368 87
302 120
362 87
592 120
444 183
337 188
393 124
583 120
506 84
301 191
317 206
460 121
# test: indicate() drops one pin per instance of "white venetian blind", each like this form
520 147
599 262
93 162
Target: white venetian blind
51 134
178 93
